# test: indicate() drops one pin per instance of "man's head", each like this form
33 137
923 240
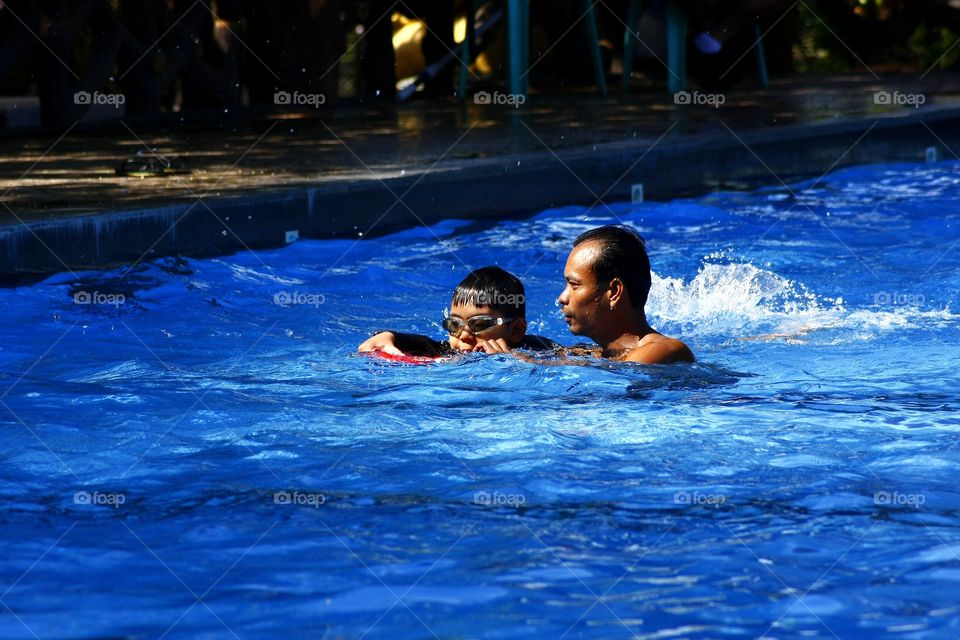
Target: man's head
488 304
608 275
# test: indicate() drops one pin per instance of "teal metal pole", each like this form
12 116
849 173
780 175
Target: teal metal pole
676 47
761 58
629 42
517 46
594 37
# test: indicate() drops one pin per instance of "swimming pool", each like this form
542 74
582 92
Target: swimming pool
191 448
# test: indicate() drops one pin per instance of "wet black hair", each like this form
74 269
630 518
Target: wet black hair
623 255
495 288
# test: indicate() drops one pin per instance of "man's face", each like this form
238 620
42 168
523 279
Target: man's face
581 302
467 341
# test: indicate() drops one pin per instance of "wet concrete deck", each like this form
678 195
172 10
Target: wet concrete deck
344 170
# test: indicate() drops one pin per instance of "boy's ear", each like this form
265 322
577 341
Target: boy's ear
517 330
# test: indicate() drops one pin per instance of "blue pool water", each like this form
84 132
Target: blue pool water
185 457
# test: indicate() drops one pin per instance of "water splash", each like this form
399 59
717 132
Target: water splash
744 301
737 298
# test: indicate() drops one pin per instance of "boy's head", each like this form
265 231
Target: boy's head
488 304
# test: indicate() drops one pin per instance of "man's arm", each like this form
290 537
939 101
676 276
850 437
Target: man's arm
660 351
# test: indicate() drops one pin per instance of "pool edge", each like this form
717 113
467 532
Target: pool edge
506 186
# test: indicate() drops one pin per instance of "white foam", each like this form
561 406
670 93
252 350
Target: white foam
728 297
742 300
249 274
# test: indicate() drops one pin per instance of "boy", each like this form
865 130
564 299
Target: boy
487 313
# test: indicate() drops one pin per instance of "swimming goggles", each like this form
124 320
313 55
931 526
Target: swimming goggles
476 324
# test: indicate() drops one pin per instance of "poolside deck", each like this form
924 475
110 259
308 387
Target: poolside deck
371 169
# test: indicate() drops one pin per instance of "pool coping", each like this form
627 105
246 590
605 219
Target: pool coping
493 188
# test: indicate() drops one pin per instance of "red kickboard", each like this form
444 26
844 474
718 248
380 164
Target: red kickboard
404 359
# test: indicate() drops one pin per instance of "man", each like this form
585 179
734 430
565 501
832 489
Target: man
608 279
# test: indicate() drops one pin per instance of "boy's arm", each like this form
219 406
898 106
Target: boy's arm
400 344
528 342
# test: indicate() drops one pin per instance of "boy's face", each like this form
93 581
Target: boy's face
511 332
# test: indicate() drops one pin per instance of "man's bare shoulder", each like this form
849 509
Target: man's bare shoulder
656 348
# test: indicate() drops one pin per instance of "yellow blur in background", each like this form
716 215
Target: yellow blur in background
408 36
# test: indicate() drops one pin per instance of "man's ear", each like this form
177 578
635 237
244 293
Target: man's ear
616 292
517 330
